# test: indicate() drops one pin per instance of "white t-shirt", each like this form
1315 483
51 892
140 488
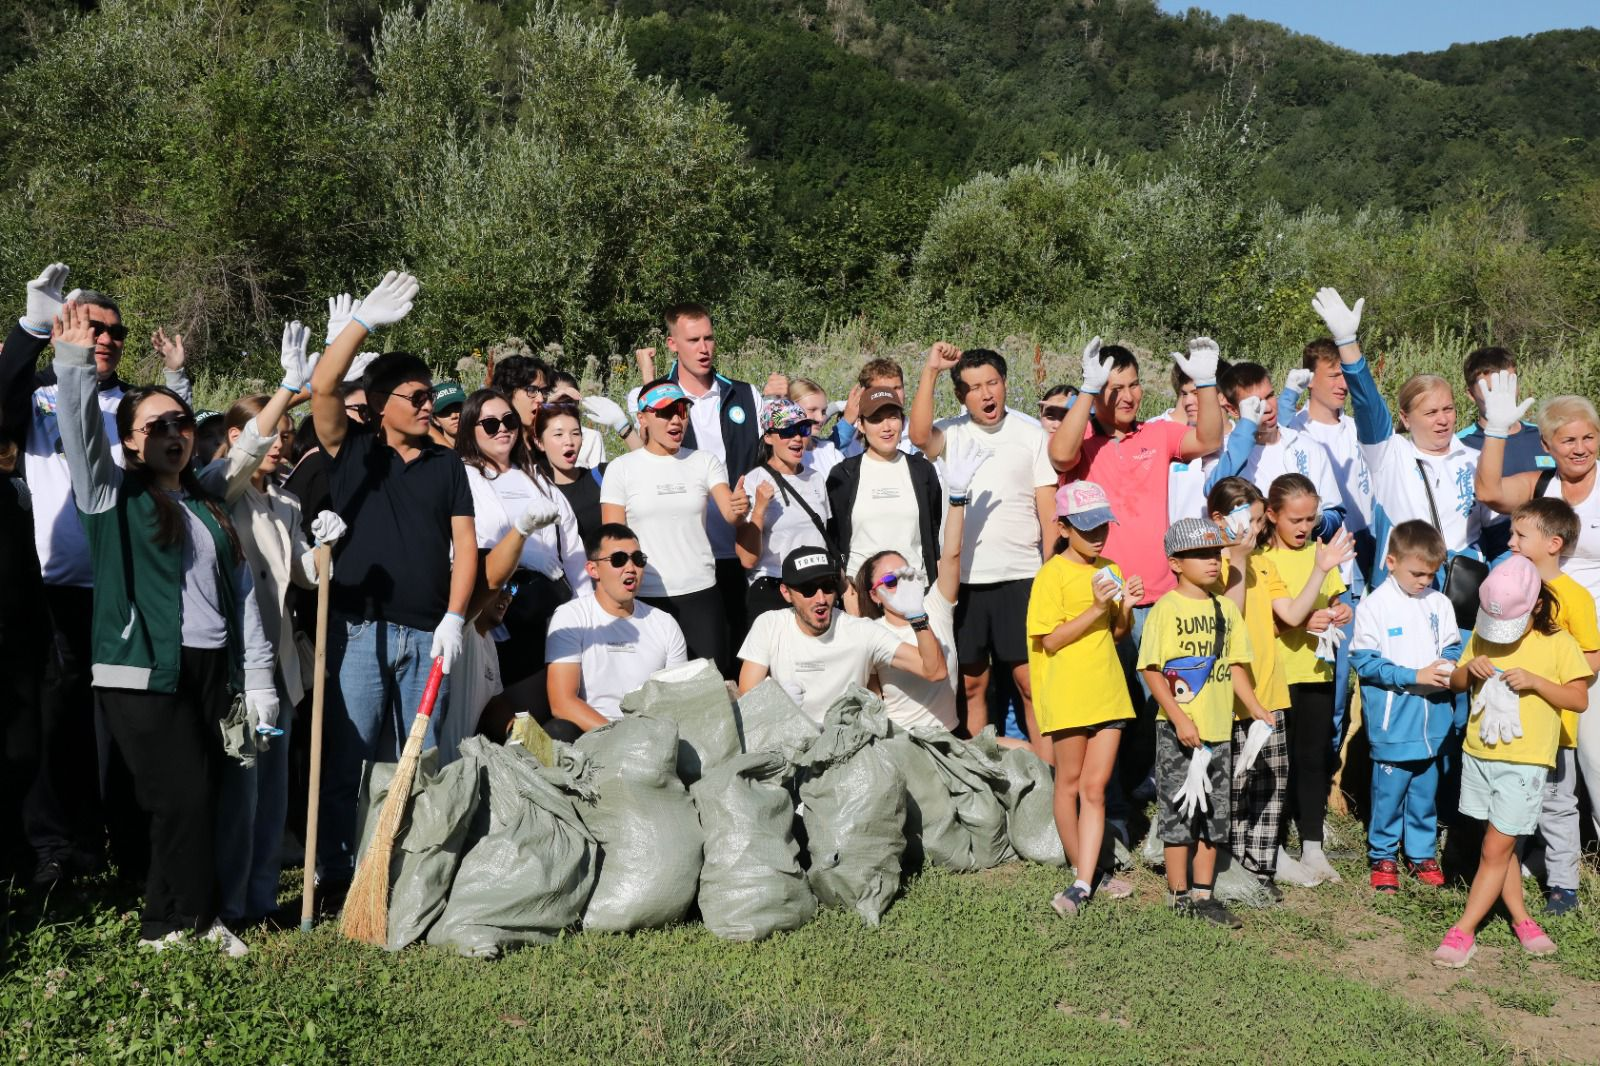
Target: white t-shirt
1350 473
885 514
815 671
1000 538
1292 453
1186 482
822 457
910 700
664 499
553 551
614 655
787 526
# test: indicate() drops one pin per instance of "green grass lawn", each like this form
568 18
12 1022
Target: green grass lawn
970 969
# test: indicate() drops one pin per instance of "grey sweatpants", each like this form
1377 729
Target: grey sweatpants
1559 822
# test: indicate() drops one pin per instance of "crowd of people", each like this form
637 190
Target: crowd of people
1168 609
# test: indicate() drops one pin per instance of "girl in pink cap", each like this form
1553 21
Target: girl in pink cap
1523 670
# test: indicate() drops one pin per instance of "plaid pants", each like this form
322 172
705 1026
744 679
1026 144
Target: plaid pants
1255 827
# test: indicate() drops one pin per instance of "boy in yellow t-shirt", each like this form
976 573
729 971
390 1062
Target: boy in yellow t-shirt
1195 657
1080 604
1542 531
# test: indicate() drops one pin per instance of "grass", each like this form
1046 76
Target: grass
970 968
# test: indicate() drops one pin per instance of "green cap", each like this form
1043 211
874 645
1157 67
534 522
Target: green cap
448 394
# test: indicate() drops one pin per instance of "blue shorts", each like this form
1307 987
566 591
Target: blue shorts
1507 795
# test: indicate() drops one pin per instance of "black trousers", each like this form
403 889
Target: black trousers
704 621
62 813
1308 724
173 748
732 587
20 674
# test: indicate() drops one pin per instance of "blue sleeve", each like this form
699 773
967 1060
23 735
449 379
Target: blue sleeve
1374 423
1332 519
1454 649
1288 404
843 433
1371 666
1235 453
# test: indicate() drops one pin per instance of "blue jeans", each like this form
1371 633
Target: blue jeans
378 671
251 806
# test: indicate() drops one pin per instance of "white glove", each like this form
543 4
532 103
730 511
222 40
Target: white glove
389 302
604 412
1201 363
1251 408
1254 740
1342 321
539 513
1501 709
1095 372
327 527
44 300
447 640
1297 381
1238 522
1105 573
341 309
961 465
262 707
292 356
1500 408
1328 642
1436 674
906 596
358 366
835 409
1195 793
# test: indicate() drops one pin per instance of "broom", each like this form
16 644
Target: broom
319 687
366 907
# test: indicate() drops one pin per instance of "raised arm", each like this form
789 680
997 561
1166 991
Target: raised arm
926 660
1241 442
1330 555
174 361
388 303
941 357
1067 442
749 536
1374 423
95 475
19 359
1500 413
1201 367
229 476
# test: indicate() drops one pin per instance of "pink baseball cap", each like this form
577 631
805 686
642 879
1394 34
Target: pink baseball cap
1506 600
1084 505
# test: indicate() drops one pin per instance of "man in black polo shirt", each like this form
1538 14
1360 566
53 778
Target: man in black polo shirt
398 602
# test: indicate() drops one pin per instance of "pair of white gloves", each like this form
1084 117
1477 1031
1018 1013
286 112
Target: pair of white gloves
1195 794
1200 365
1501 711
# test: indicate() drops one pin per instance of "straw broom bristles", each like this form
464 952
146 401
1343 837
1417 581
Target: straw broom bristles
366 906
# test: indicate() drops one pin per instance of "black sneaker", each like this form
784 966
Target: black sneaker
50 873
1272 890
1213 910
1183 907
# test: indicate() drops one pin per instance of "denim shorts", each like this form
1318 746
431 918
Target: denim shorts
1507 795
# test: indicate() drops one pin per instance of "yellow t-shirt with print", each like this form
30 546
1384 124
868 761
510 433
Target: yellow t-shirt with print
1555 658
1575 612
1179 641
1298 648
1262 585
1080 684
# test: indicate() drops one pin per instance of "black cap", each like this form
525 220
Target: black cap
808 563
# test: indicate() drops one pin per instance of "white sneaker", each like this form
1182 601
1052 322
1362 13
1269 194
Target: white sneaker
223 937
161 943
1292 871
1317 863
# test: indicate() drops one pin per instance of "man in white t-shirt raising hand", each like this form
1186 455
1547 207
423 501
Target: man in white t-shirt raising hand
1010 521
603 645
817 652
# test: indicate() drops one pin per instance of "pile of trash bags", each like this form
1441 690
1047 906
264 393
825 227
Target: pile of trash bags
740 813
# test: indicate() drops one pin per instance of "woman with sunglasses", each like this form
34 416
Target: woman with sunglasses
525 526
175 632
1053 406
661 491
789 503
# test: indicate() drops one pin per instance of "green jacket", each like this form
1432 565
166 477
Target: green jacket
136 635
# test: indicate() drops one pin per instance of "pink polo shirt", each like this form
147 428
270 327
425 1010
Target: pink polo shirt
1133 471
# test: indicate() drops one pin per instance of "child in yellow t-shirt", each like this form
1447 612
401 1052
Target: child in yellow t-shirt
1251 580
1195 658
1523 669
1080 605
1292 510
1542 531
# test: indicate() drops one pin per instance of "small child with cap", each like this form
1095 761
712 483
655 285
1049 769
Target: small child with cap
1523 670
1081 603
1195 657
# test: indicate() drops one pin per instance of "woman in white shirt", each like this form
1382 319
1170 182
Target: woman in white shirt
524 524
789 503
823 451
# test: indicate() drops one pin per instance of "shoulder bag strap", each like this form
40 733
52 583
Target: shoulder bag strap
1427 486
791 495
1218 646
1543 484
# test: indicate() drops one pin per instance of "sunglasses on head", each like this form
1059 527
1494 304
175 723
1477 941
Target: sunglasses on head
116 332
620 559
799 429
172 425
492 425
808 589
560 407
423 397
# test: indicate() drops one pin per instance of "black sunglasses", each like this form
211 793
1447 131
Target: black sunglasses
1057 413
492 425
117 332
808 589
799 429
621 559
418 400
172 425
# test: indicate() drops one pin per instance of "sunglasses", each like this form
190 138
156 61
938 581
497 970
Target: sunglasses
890 580
493 425
620 559
357 409
117 332
799 429
675 409
418 400
1056 414
173 425
808 589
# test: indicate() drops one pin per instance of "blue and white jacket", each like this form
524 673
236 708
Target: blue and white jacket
1395 636
1398 492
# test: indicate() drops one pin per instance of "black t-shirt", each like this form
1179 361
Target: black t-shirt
20 602
583 496
309 484
393 564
